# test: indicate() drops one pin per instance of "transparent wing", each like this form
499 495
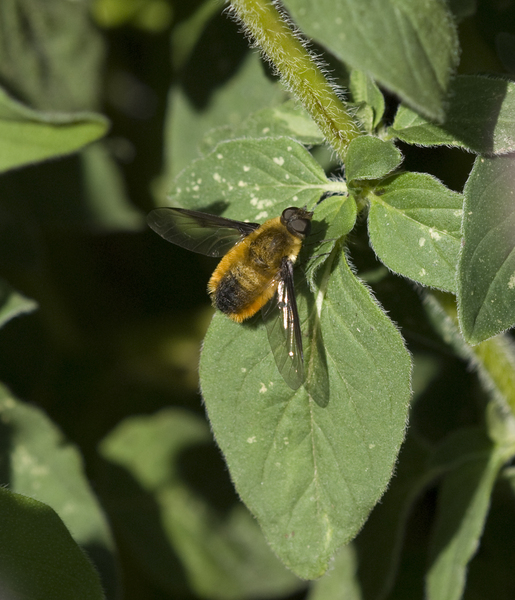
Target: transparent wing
283 327
200 232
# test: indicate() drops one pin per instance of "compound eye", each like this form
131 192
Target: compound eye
300 227
288 214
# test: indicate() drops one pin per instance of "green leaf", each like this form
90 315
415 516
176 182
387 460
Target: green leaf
480 118
223 551
253 177
288 119
310 471
409 47
337 216
38 557
463 504
42 465
12 303
364 89
51 54
248 91
28 136
371 158
414 224
486 271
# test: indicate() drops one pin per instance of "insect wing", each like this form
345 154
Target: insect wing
200 232
283 327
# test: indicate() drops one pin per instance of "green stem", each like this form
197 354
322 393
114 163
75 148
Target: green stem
494 358
298 70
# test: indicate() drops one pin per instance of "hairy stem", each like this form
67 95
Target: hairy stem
298 70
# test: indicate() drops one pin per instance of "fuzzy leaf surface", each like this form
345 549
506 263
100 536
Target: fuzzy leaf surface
251 177
371 158
311 472
414 225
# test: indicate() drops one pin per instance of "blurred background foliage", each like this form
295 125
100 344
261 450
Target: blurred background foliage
121 315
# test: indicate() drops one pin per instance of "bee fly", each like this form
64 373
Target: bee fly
256 271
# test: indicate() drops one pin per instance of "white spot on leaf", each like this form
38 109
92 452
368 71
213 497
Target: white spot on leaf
279 160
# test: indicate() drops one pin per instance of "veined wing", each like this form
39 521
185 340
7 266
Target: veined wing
283 327
197 231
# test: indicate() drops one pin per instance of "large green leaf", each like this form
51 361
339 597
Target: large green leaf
37 462
486 276
164 516
28 136
414 224
38 557
409 47
252 176
311 471
480 117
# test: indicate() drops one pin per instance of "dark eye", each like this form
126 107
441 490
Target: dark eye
300 227
288 214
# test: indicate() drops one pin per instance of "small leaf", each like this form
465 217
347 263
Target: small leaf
337 216
414 224
480 118
28 136
410 48
364 89
222 550
12 303
486 272
38 557
253 177
310 471
463 504
371 158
